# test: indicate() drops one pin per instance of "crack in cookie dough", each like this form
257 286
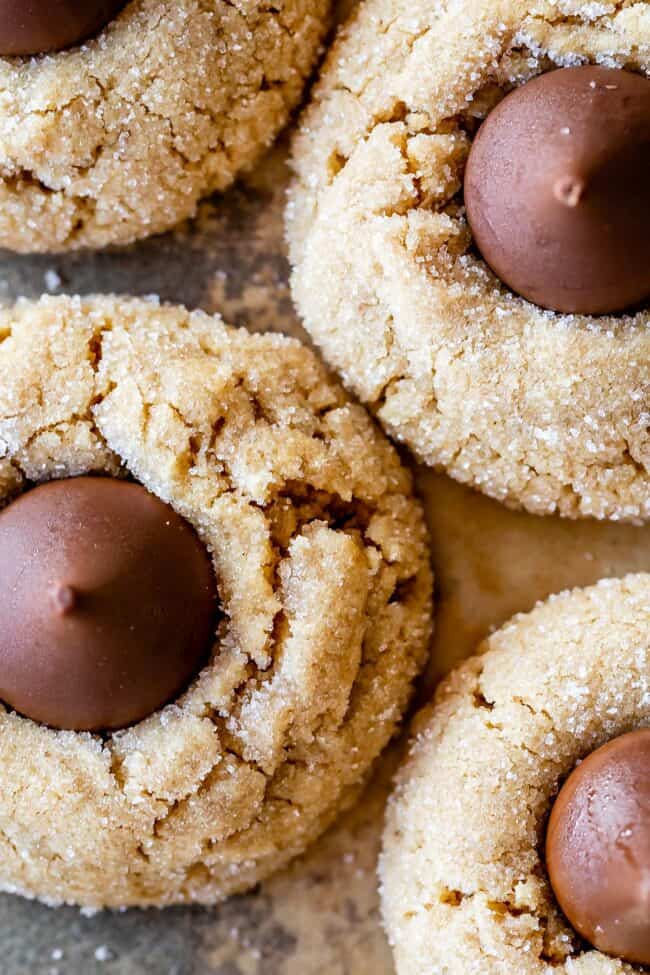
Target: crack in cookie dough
120 137
538 410
298 499
464 882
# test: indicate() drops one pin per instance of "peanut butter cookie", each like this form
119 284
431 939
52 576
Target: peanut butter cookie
543 409
319 558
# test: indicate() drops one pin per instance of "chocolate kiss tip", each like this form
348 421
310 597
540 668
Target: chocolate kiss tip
569 191
63 599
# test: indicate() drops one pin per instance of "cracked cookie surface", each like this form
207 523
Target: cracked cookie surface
321 560
539 410
119 138
464 885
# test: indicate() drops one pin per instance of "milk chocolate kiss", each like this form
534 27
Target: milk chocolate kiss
40 26
557 190
107 604
598 848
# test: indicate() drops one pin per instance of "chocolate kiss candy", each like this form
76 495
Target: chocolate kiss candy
598 848
39 26
557 190
107 604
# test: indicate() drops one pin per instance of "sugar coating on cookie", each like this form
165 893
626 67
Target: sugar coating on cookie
119 137
321 562
540 410
464 885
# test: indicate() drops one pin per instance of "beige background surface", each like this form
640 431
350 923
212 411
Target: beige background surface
320 917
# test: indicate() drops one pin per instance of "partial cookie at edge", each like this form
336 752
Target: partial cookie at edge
119 138
464 885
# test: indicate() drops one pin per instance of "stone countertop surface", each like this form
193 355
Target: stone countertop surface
320 917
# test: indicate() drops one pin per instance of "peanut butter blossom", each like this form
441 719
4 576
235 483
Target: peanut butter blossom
39 26
557 190
598 848
107 604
